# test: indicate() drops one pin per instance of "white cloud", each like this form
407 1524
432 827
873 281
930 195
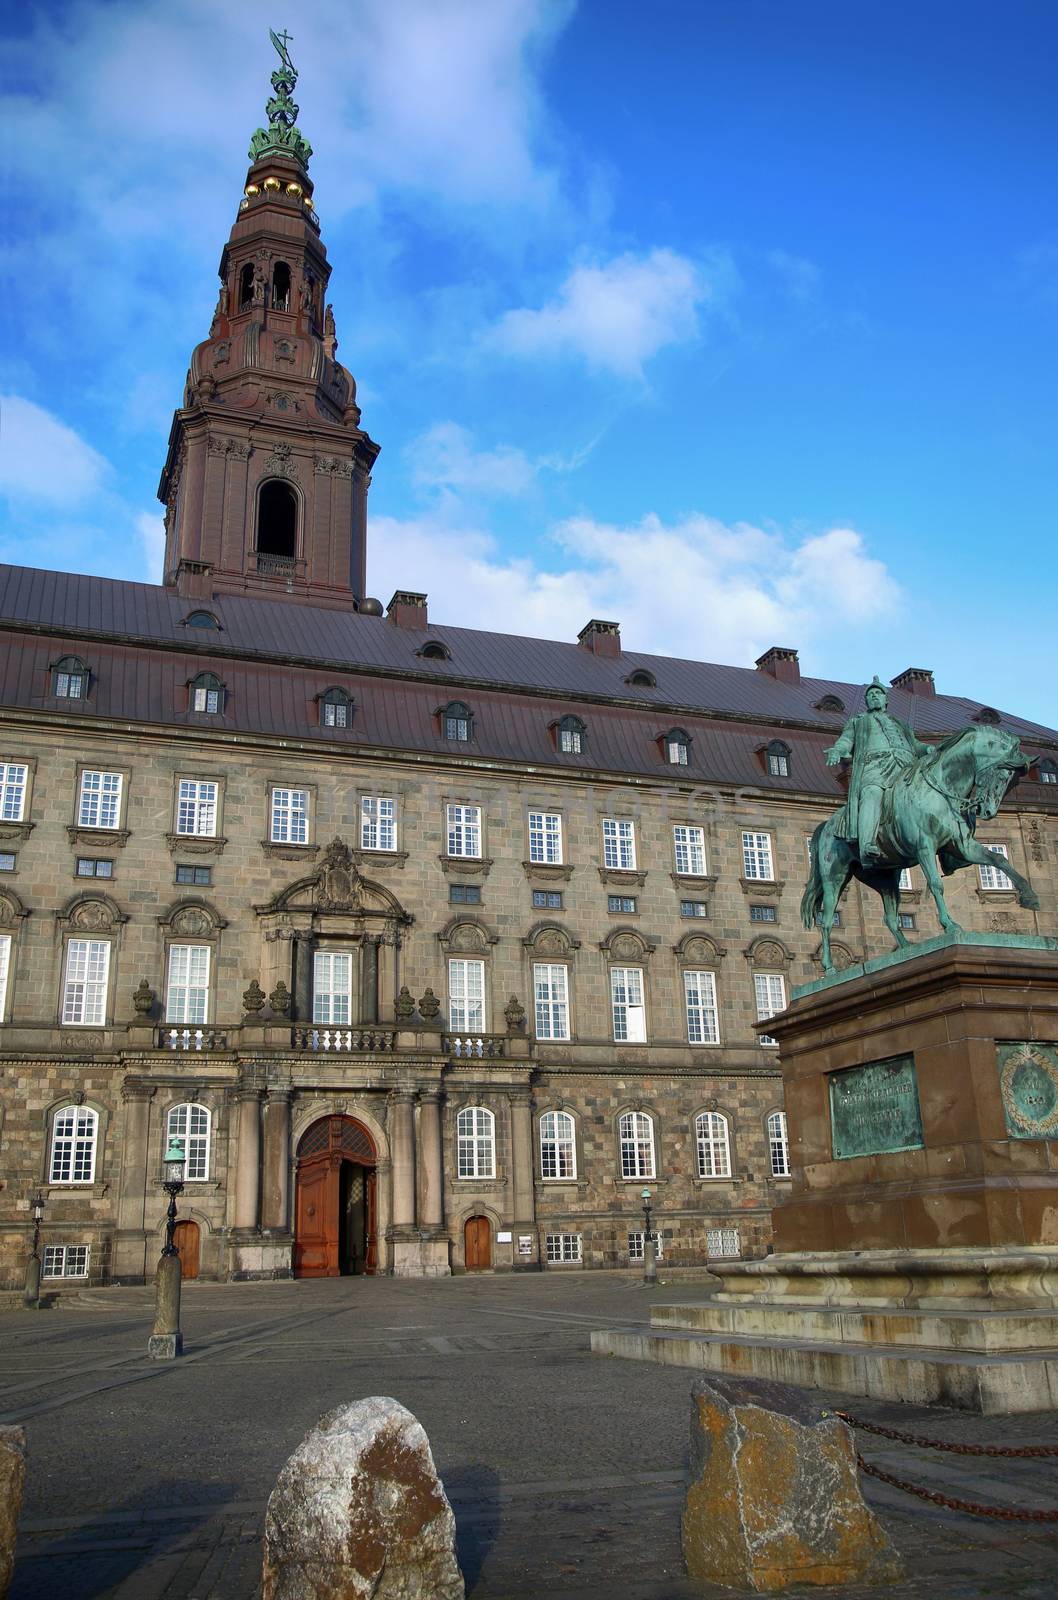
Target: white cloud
444 457
150 525
43 460
615 314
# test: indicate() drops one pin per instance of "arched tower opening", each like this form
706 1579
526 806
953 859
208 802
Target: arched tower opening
280 287
277 520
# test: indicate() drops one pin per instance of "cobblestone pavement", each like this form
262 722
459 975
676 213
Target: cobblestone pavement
148 1481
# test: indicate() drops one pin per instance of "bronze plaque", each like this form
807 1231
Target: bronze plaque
874 1109
1028 1078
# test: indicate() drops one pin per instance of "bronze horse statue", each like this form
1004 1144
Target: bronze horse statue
927 816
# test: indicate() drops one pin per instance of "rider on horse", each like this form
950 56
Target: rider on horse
881 748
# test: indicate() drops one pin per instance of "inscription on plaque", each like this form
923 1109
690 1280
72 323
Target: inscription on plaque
874 1109
1028 1079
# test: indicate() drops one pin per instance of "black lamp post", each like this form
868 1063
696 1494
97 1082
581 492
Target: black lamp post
31 1294
650 1265
166 1340
173 1184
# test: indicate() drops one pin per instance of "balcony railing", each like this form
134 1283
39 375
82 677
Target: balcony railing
275 566
475 1046
191 1039
343 1040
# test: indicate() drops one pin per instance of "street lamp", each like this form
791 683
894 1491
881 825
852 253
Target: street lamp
166 1341
650 1264
31 1294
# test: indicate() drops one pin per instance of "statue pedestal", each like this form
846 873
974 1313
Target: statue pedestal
917 1256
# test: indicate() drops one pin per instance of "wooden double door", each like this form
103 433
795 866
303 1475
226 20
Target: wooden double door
335 1201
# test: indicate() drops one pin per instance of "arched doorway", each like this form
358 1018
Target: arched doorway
477 1244
186 1239
335 1230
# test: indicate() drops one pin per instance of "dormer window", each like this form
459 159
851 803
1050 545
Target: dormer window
642 679
336 709
571 736
457 721
1049 771
207 694
987 714
830 702
677 743
201 619
246 287
434 650
777 759
280 287
69 679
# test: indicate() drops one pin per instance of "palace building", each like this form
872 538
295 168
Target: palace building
434 945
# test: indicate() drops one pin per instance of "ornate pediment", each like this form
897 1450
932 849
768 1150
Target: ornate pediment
336 887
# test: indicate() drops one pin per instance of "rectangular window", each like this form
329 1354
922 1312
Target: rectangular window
906 919
678 752
722 1242
94 867
763 914
756 857
699 991
65 1261
466 996
290 816
464 831
5 967
332 988
99 804
621 904
569 741
545 837
563 1246
778 1145
770 990
905 879
552 1004
196 808
778 764
464 894
690 850
694 908
547 899
618 845
187 999
637 1246
335 714
7 861
84 998
205 699
629 1011
200 876
378 822
12 791
994 877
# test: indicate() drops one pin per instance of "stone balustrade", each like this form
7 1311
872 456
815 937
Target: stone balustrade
475 1046
343 1040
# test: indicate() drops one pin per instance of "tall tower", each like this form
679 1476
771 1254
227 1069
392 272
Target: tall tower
265 483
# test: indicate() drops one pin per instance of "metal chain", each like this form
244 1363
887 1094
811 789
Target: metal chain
1004 1513
1028 1450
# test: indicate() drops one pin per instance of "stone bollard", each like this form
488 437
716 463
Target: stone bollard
359 1511
166 1341
12 1482
775 1497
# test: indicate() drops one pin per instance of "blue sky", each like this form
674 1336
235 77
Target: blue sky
732 320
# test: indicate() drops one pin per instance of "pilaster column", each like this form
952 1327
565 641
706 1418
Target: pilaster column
369 979
402 1145
135 1157
431 1191
303 948
248 1157
274 1213
522 1156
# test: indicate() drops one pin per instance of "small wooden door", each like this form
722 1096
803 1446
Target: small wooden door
186 1240
477 1244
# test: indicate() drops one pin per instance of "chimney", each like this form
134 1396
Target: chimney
915 680
407 609
780 663
601 638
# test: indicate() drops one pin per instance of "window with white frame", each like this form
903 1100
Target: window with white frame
476 1143
74 1131
778 1145
190 1123
699 993
332 987
906 881
637 1246
551 999
466 995
770 991
12 790
778 759
677 748
636 1138
65 1261
563 1246
196 807
334 709
84 992
1048 772
626 1001
757 856
69 679
545 837
618 844
187 994
995 877
571 736
558 1147
722 1242
290 816
464 831
690 850
5 968
207 694
378 822
713 1144
457 721
99 802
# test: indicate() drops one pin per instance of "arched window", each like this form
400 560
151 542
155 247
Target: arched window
1049 771
636 1138
280 287
476 1143
714 1145
201 619
207 693
277 520
336 709
778 1145
777 759
246 287
190 1124
69 679
830 702
642 679
74 1131
457 721
571 736
677 747
558 1149
434 650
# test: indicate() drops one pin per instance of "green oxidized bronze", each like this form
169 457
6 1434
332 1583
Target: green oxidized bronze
1028 1079
281 136
874 1109
909 804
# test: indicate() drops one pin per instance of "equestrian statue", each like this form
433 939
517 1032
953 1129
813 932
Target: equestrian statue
909 804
